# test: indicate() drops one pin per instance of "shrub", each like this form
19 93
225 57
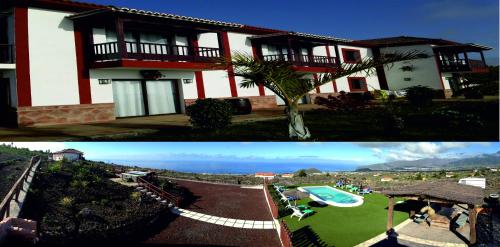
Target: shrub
55 167
67 201
302 173
130 180
473 93
135 196
419 96
456 118
210 114
345 102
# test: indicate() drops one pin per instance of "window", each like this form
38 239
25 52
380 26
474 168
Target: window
357 84
351 55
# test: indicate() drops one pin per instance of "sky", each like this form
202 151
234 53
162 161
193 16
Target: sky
335 153
475 21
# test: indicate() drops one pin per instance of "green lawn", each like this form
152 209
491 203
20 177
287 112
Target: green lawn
335 226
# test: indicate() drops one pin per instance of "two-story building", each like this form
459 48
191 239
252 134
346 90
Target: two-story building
70 62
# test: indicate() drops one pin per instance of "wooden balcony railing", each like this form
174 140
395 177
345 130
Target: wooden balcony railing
157 52
458 65
303 60
6 53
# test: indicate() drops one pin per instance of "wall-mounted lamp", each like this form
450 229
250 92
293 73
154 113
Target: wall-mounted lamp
104 81
187 81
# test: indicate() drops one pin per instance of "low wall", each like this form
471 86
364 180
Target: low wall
65 114
258 102
284 233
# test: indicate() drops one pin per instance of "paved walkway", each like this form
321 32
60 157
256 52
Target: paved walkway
247 224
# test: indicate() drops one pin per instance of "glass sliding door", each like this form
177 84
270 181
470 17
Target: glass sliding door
128 97
162 97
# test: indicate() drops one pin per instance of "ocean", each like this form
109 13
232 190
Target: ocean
240 166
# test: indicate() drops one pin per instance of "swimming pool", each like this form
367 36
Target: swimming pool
332 196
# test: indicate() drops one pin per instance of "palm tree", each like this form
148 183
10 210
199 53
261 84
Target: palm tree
291 85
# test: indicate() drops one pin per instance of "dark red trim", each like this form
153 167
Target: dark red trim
335 90
350 79
82 67
344 55
255 53
329 55
382 79
313 69
22 57
157 65
315 76
200 85
436 57
230 69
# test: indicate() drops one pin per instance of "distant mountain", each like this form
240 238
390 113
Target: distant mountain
309 171
482 160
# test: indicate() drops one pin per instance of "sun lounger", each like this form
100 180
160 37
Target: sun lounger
420 218
461 220
301 213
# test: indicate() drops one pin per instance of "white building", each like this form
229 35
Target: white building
133 175
69 62
67 154
265 175
478 182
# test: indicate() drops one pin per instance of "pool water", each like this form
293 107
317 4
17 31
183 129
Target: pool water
333 196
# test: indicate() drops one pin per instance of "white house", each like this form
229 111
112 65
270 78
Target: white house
265 175
478 182
133 175
67 154
67 62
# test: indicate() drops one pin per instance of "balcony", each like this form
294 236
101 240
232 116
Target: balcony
463 65
154 52
7 54
303 60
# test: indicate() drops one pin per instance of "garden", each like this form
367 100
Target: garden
76 204
339 226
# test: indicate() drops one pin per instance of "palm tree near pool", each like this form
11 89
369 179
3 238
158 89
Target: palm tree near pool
291 85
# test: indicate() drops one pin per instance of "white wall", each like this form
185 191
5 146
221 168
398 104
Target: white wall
208 40
425 71
371 80
104 93
240 43
216 84
53 68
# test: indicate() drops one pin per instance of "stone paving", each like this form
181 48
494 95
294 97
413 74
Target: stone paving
246 224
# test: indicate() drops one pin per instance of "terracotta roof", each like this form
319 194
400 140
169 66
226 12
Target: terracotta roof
69 151
405 40
449 191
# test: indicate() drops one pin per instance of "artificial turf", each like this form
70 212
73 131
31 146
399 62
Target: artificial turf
336 226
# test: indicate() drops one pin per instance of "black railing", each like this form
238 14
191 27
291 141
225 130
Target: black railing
152 51
304 60
6 53
457 65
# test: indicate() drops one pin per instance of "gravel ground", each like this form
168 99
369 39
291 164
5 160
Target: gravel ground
223 201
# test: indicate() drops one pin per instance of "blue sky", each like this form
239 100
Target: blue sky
341 152
460 20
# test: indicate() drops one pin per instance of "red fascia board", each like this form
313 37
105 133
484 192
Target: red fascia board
157 65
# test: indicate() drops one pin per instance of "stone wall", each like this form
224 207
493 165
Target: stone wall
258 102
65 114
324 95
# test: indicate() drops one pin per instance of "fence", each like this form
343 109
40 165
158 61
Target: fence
176 200
16 189
284 233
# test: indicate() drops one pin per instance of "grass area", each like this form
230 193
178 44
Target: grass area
363 125
336 226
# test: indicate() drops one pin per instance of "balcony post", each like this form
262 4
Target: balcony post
482 58
290 51
337 54
220 39
466 59
193 45
120 38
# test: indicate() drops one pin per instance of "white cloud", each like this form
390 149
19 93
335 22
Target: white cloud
36 146
418 150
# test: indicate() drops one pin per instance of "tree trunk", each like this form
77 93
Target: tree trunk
296 127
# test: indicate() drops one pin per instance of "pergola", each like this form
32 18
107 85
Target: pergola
439 192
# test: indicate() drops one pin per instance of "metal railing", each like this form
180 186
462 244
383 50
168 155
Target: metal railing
451 65
303 60
176 200
14 192
152 51
7 53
